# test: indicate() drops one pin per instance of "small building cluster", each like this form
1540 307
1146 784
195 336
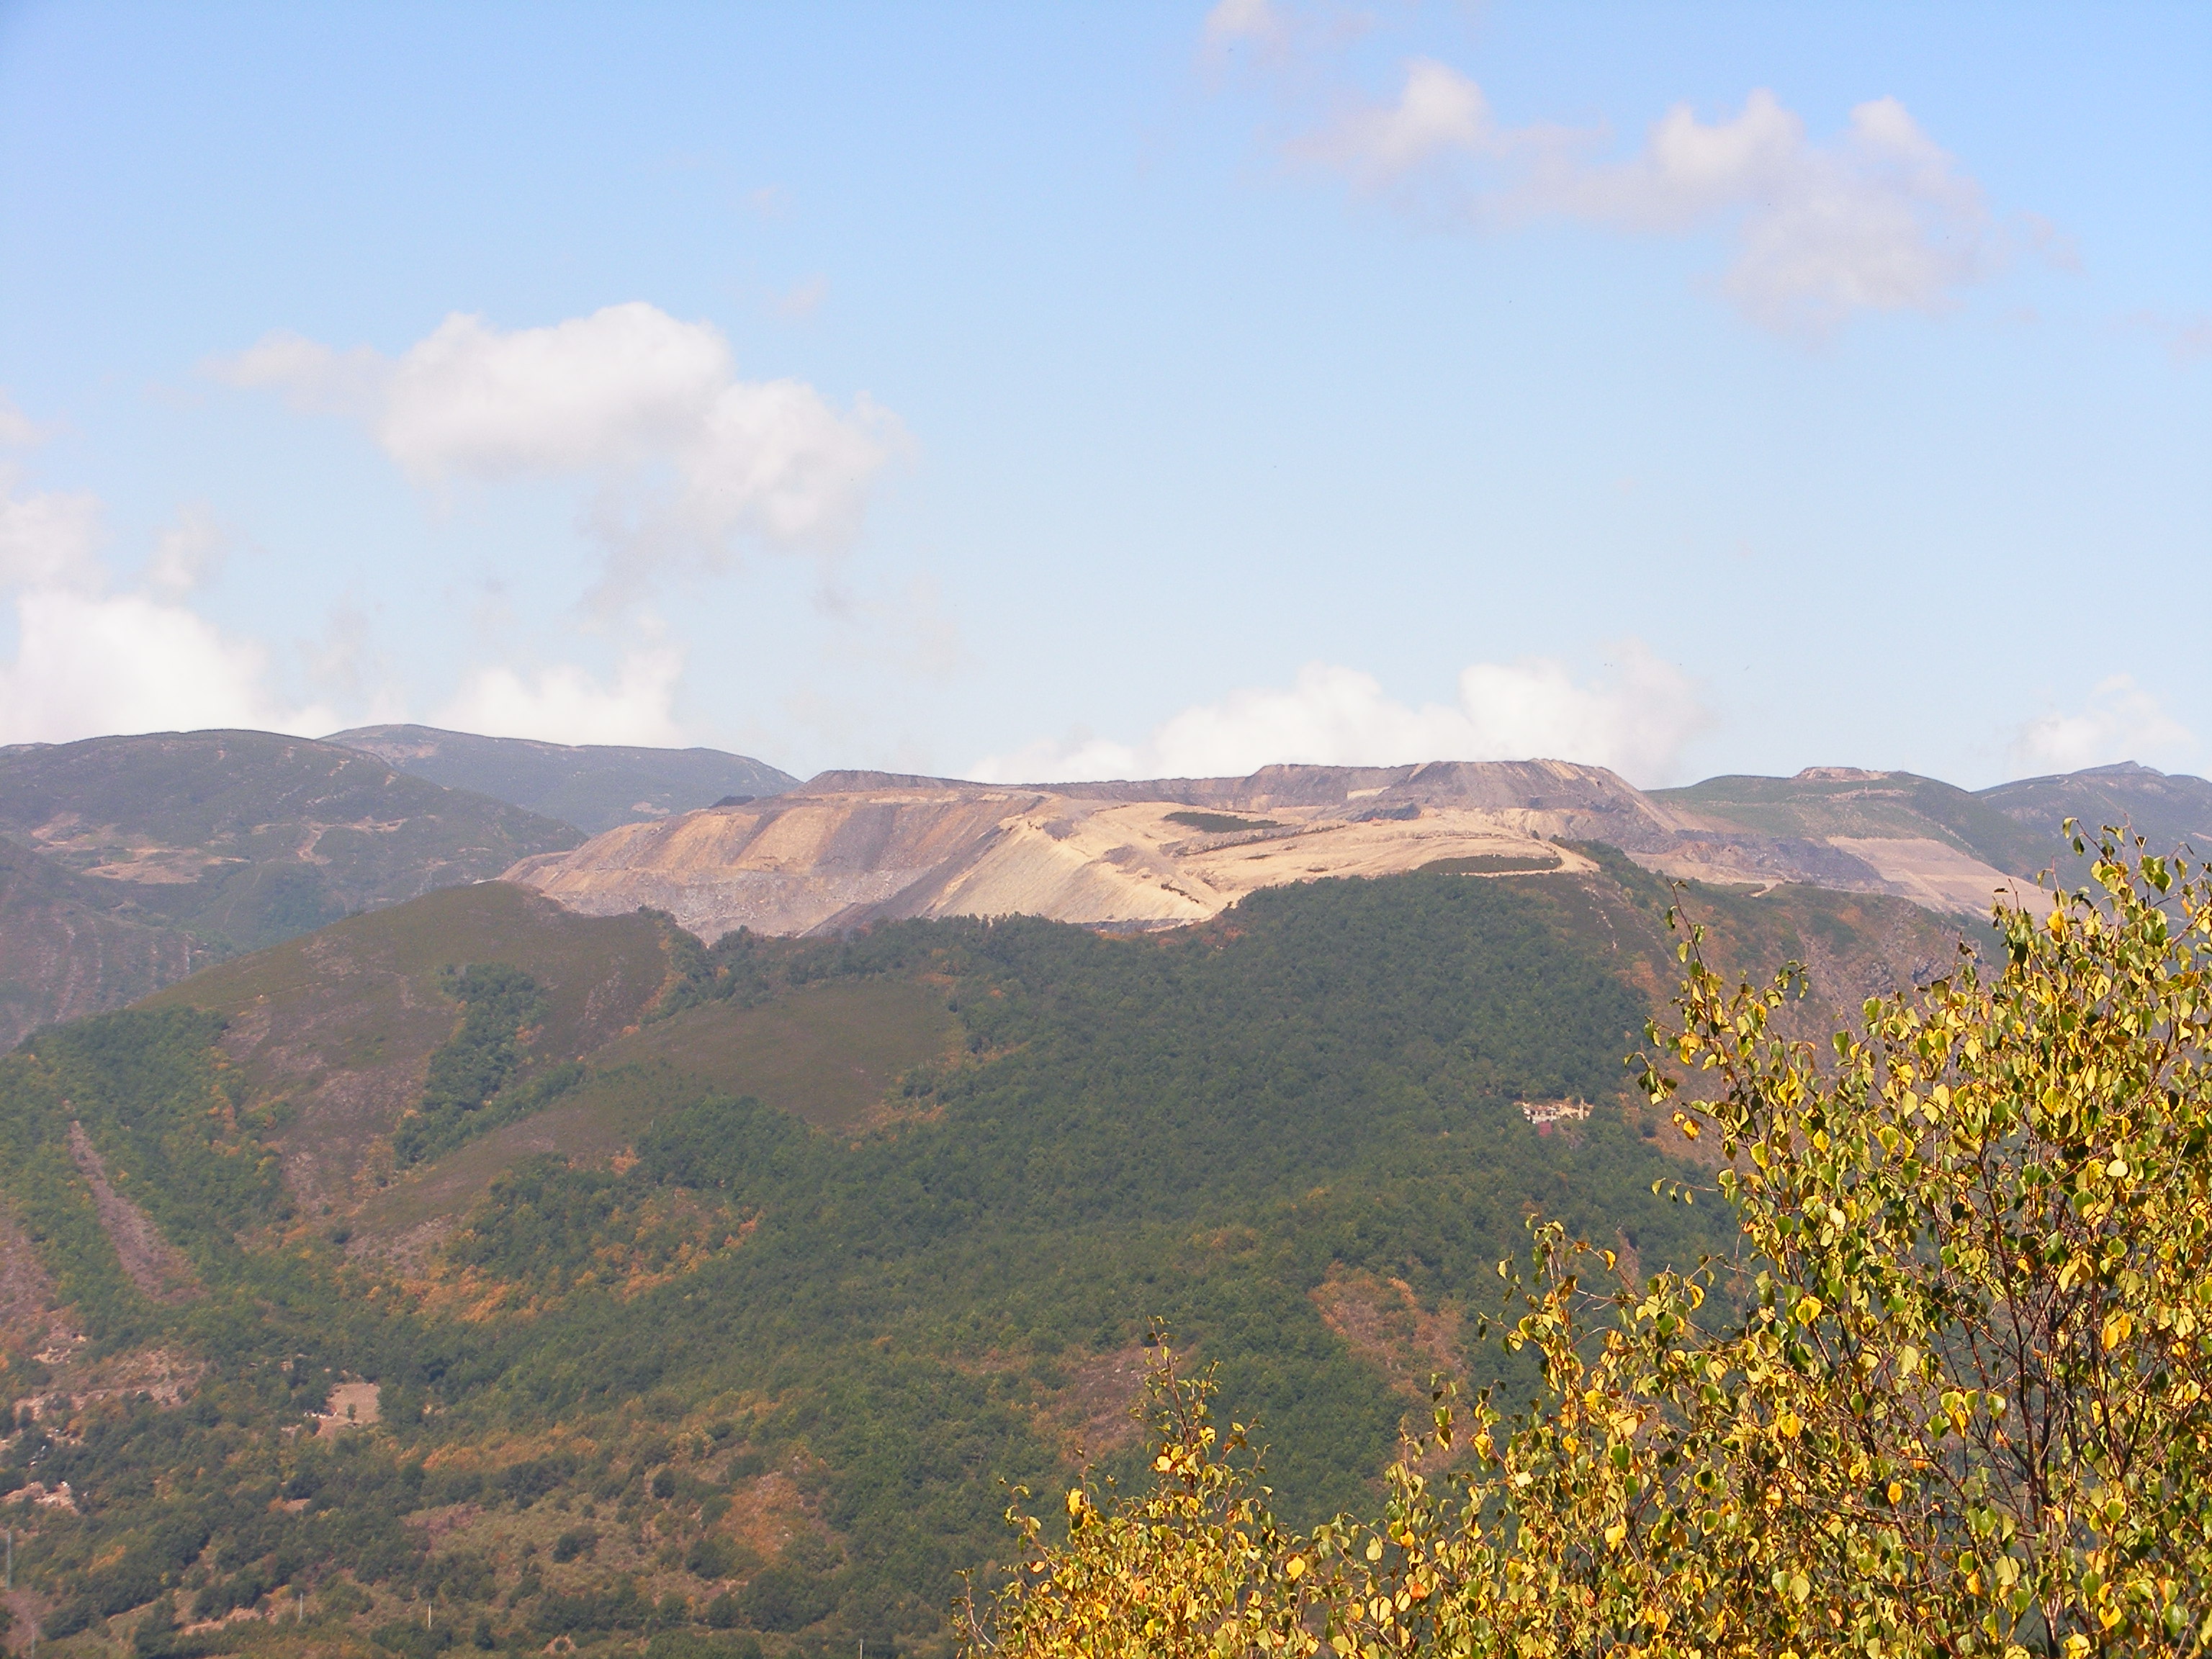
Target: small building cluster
1545 1113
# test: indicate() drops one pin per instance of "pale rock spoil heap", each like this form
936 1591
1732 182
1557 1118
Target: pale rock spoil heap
850 847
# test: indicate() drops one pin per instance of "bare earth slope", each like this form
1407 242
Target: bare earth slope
847 848
850 847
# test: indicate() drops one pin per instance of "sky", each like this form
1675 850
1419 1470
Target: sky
1033 393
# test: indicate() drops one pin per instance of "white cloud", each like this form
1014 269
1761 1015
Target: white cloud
1878 219
188 554
49 540
608 390
89 662
1437 112
567 704
313 378
2120 721
687 454
1635 721
17 429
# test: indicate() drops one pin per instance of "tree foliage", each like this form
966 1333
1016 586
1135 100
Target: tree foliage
1950 1398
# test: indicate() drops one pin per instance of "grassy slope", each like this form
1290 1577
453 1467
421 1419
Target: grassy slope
832 1345
826 1053
338 1028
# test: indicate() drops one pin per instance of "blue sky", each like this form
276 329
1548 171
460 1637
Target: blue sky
1036 391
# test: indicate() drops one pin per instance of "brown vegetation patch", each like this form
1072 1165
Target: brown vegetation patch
440 1522
155 1265
353 1406
1383 1322
767 1512
1100 1411
26 1291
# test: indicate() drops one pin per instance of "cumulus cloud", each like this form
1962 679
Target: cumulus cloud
686 454
1879 218
1635 721
565 703
2119 721
91 661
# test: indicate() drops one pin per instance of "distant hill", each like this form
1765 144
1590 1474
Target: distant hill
594 785
127 862
1899 821
2164 808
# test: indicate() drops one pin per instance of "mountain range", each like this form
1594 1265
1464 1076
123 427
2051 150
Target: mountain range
127 862
675 1244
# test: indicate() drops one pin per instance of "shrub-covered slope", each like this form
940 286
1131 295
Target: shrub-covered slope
718 1347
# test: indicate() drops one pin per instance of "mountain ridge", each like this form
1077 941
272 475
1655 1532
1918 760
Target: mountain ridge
594 787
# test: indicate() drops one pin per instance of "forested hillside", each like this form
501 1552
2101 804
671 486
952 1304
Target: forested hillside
709 1295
